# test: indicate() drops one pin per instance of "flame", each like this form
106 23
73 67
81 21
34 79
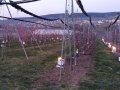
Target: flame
57 38
23 42
109 45
59 58
77 51
103 39
113 48
106 42
3 41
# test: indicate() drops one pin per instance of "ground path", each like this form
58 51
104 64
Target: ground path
70 78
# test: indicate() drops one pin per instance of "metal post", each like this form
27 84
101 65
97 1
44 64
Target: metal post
17 33
63 42
2 53
74 36
88 37
3 49
69 41
119 35
60 76
21 42
69 36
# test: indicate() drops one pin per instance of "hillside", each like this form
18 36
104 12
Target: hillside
94 15
61 15
81 15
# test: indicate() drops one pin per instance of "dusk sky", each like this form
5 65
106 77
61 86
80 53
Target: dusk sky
44 7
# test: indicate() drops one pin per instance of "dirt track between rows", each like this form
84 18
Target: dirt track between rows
70 78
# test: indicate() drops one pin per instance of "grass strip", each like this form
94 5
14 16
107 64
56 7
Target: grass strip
106 73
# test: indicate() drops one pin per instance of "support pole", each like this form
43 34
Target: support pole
74 36
17 32
21 42
69 42
3 50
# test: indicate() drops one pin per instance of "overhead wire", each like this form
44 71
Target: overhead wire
114 21
90 19
18 2
28 21
13 4
83 10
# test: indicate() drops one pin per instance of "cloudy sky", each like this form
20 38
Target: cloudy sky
44 7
